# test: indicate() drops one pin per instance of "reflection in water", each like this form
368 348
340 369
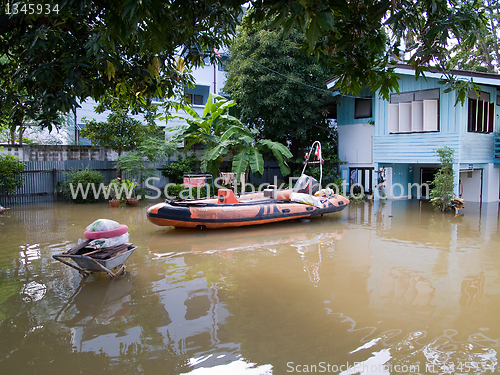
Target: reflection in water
33 291
29 253
391 286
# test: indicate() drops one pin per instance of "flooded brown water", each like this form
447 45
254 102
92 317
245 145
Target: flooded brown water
377 289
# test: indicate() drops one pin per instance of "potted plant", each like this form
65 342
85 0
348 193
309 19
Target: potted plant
121 190
112 192
131 199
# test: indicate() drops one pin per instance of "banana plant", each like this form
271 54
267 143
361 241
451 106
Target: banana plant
223 135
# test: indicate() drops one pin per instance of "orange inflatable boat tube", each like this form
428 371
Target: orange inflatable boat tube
250 209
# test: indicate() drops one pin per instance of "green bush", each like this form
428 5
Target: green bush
10 174
443 184
85 178
176 170
174 191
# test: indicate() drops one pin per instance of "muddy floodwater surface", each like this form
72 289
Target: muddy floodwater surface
380 288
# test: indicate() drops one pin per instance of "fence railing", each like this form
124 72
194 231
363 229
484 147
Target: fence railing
43 180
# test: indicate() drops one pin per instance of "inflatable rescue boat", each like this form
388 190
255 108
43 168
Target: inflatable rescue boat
267 206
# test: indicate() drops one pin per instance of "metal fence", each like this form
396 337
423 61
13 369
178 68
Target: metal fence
43 179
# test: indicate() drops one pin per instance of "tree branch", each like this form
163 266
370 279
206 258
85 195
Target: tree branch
11 23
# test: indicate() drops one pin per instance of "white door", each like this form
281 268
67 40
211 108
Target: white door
471 185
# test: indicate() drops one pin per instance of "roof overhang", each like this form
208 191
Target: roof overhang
490 79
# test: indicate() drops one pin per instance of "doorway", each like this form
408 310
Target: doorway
363 177
426 177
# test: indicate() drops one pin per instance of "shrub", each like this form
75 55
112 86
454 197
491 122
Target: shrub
176 170
443 184
10 174
121 189
174 191
86 179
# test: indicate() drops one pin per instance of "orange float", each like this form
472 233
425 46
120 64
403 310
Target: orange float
268 206
248 209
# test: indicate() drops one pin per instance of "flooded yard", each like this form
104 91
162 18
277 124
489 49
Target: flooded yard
380 288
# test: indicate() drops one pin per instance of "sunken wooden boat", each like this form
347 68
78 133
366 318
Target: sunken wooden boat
262 207
89 259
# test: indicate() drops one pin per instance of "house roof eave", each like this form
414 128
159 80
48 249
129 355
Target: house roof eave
491 79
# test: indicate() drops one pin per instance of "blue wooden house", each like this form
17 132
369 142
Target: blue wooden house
394 140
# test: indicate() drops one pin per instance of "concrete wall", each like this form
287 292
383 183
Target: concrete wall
58 152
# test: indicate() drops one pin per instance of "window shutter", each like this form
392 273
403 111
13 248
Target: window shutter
405 117
491 119
430 115
471 125
480 117
393 118
417 119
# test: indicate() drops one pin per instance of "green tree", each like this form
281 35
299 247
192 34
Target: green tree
222 135
354 34
120 132
485 54
280 90
16 112
176 170
80 185
85 48
443 183
138 163
10 174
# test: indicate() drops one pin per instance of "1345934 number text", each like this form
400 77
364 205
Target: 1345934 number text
31 9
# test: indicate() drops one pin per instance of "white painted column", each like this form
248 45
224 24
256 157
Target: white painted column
456 178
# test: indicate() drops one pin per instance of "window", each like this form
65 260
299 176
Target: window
414 111
481 113
363 107
194 99
197 99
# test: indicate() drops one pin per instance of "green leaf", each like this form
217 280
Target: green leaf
325 19
235 129
312 33
256 161
241 161
218 151
276 146
280 152
209 106
191 111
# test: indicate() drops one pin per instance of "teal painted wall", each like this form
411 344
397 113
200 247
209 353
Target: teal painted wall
345 110
412 148
400 175
418 147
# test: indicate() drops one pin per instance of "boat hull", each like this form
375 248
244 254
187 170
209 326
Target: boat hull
212 215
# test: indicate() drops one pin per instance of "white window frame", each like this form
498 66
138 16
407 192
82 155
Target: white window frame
414 112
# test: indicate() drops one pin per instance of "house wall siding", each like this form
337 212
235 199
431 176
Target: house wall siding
404 154
419 147
476 148
412 148
346 107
